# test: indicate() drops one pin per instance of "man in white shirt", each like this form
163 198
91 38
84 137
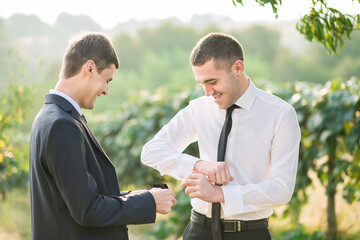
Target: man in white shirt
258 171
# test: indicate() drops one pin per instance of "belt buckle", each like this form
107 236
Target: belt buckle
235 223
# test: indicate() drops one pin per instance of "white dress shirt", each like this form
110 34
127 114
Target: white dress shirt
262 151
67 97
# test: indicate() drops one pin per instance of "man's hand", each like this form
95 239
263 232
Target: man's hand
164 199
217 172
198 186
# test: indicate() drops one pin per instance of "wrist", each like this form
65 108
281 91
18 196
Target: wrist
218 194
197 165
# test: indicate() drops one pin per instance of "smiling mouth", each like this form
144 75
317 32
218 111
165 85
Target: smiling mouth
217 96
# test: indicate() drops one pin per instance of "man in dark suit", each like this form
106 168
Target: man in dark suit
73 184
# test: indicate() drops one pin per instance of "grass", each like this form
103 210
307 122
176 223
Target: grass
312 223
15 221
313 217
15 216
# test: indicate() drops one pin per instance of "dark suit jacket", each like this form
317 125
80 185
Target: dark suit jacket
73 184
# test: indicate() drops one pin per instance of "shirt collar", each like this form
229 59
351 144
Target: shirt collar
248 98
68 98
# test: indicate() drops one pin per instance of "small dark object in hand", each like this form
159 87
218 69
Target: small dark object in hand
160 185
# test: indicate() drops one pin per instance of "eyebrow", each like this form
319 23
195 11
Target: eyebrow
210 80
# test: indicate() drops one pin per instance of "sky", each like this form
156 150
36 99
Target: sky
108 13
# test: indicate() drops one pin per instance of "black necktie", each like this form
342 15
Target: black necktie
82 115
215 213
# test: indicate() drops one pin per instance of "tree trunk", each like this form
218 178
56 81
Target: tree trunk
331 192
3 194
331 217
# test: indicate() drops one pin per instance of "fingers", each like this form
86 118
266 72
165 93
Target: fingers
194 183
217 172
164 200
194 192
227 176
198 186
211 176
220 177
190 189
194 195
221 174
189 181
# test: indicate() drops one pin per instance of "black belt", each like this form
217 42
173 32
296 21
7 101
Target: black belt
230 225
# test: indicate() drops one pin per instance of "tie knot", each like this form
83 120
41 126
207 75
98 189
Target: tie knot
231 109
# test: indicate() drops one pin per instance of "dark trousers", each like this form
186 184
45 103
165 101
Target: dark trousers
196 231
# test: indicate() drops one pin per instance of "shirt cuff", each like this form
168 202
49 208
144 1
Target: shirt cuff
185 165
233 200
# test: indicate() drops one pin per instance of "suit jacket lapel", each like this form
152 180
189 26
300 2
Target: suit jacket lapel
76 115
68 107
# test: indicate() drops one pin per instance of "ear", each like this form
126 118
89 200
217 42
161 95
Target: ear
89 67
238 67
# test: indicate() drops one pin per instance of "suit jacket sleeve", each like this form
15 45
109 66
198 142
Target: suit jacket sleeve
66 162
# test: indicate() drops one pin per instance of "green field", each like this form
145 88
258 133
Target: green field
15 220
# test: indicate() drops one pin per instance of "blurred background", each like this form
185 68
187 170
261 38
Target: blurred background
153 40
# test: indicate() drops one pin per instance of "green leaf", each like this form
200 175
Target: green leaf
325 135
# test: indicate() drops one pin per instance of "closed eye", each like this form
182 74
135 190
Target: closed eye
213 82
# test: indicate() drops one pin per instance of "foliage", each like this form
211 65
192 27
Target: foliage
124 133
274 4
15 215
145 65
13 101
299 234
334 129
329 117
326 25
175 223
327 114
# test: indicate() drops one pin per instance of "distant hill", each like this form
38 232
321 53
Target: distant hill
38 39
20 25
133 26
67 25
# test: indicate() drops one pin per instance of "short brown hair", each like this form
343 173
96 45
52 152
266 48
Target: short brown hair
88 46
223 48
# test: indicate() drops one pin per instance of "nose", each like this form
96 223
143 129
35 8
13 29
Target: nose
106 90
208 89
